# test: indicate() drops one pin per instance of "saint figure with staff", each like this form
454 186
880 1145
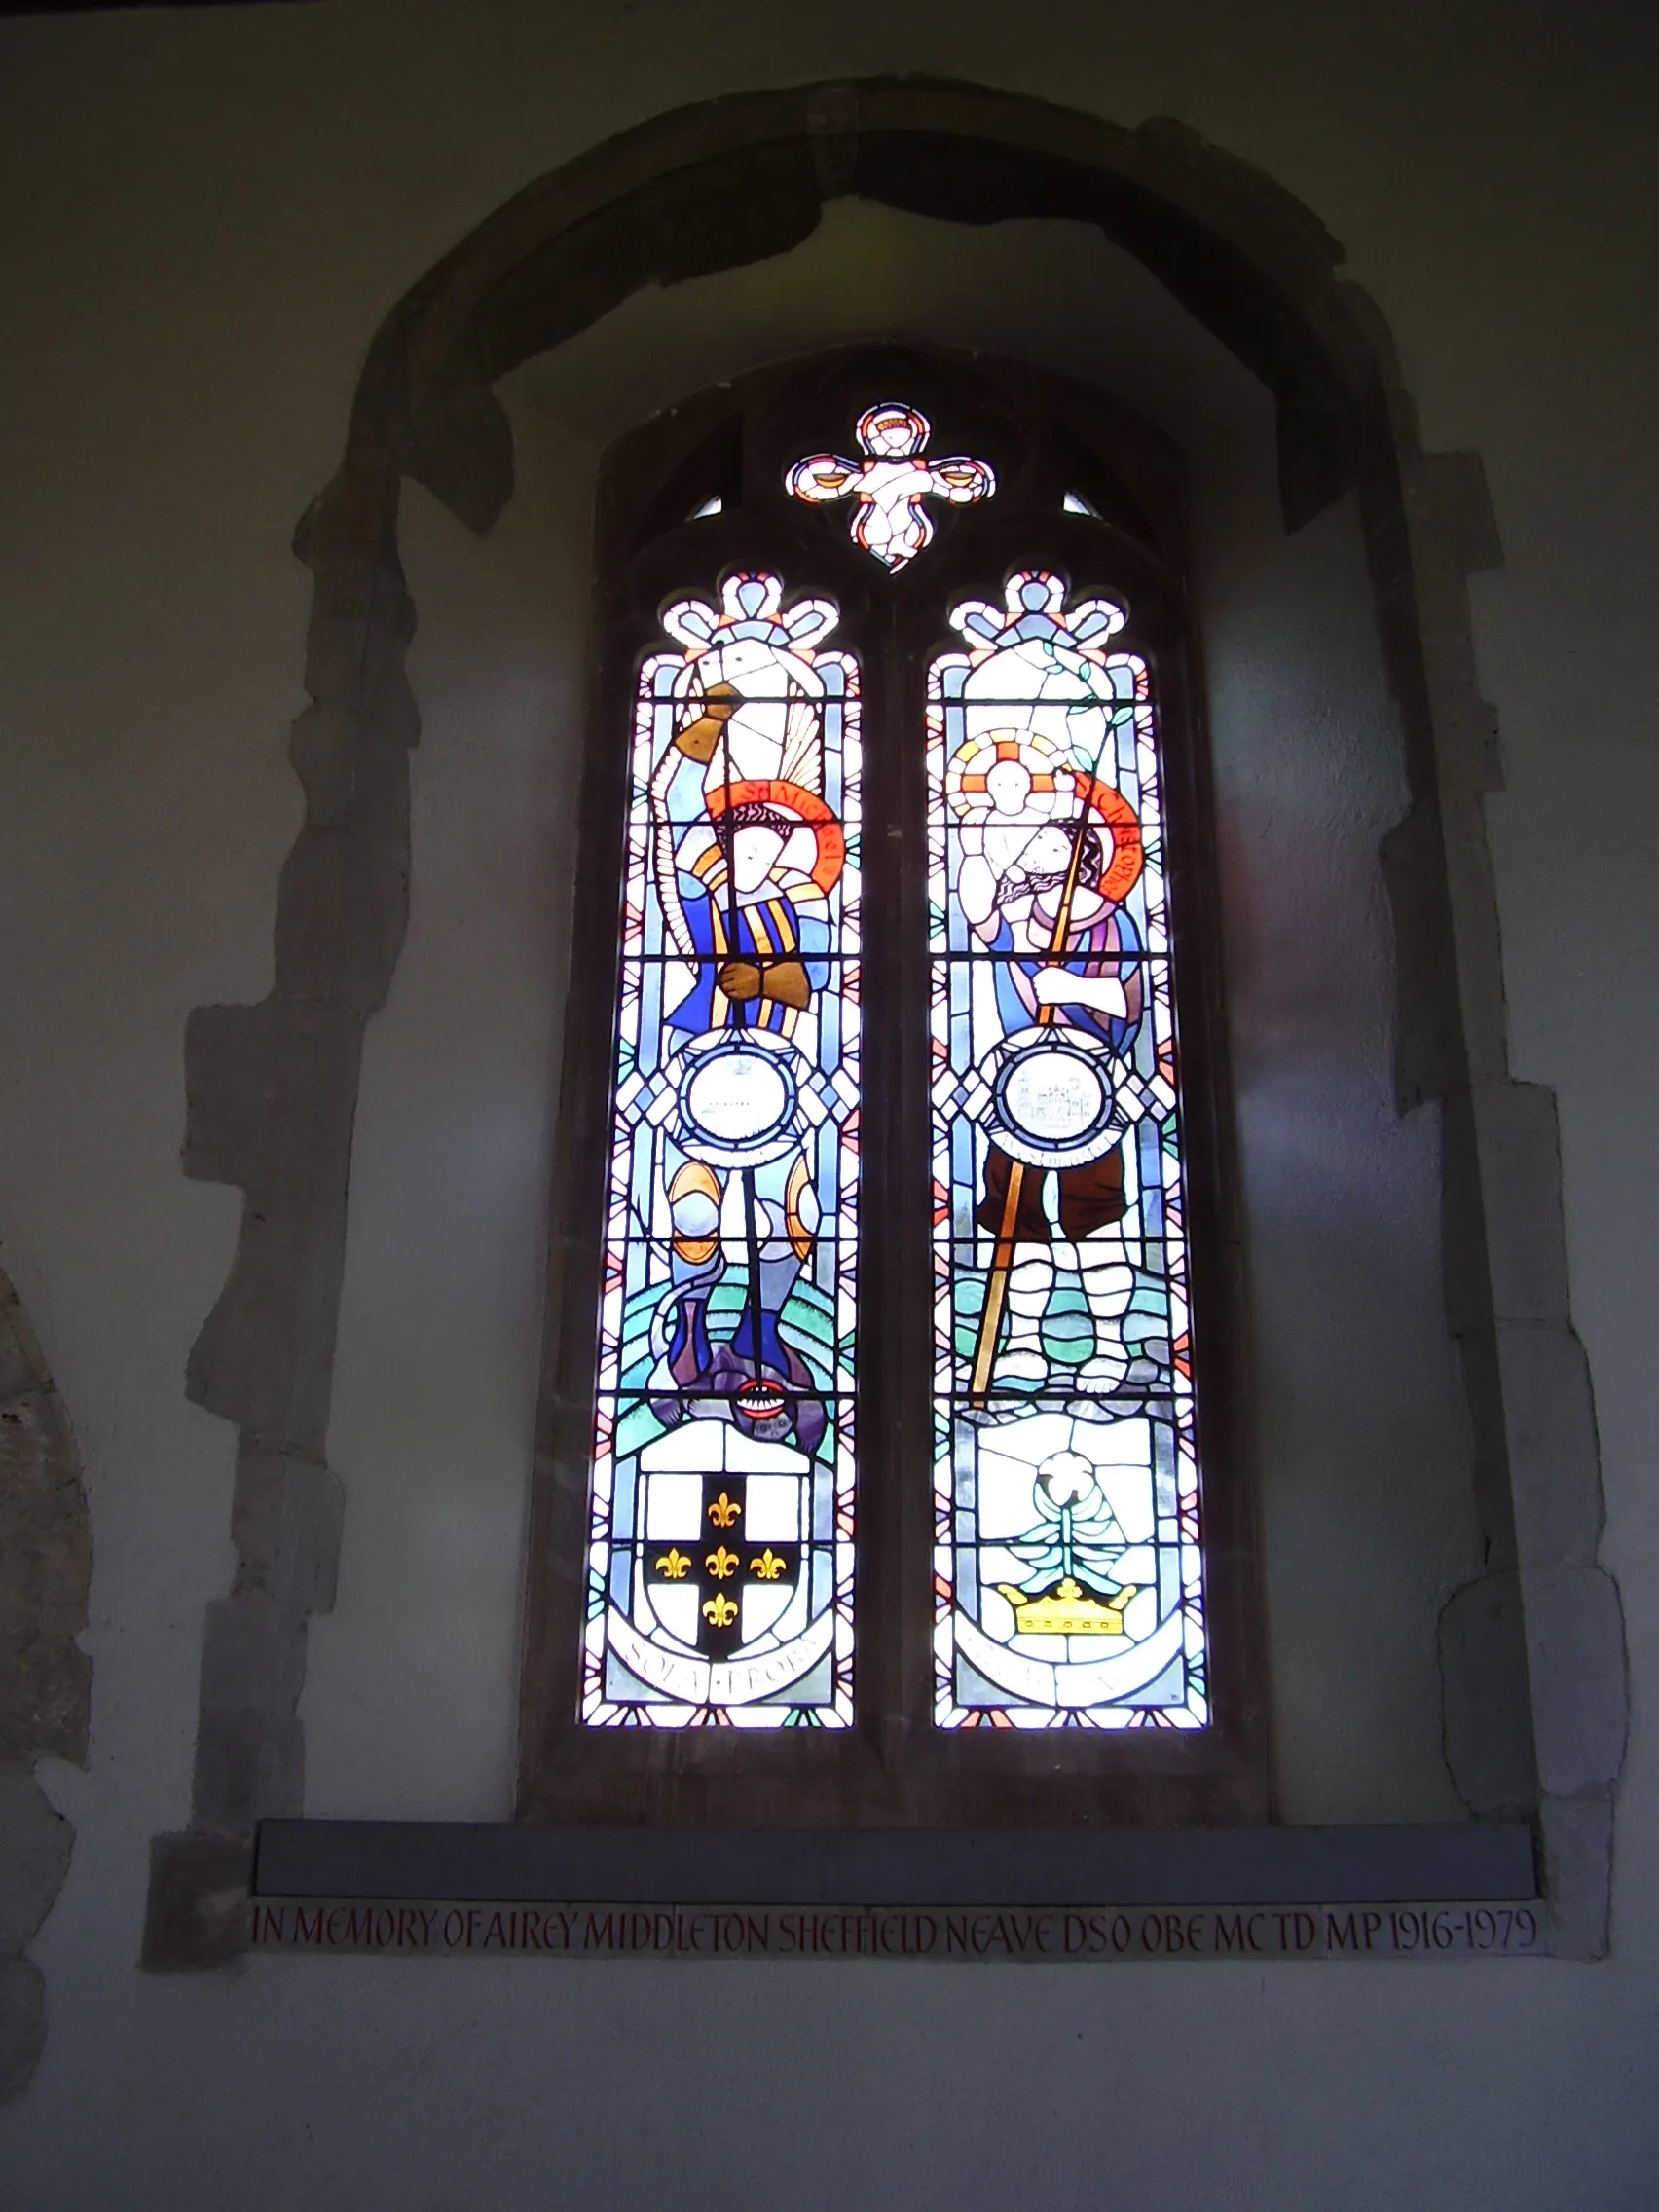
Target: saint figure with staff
1049 853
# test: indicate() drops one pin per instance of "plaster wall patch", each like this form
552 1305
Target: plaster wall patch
46 1558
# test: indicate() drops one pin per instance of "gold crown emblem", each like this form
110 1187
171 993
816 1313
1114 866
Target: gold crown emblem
1068 1609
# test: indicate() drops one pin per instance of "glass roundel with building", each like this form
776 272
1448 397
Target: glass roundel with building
1066 1568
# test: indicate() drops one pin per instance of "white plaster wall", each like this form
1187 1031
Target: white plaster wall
205 217
411 1691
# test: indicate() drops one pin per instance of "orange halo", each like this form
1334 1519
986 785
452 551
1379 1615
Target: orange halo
774 791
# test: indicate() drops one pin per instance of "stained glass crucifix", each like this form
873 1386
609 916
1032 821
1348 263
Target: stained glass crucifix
889 485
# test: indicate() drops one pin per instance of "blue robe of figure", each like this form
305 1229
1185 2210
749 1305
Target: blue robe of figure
769 934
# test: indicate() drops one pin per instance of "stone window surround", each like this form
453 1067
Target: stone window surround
1532 1650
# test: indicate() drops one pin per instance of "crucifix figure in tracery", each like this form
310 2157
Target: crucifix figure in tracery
889 485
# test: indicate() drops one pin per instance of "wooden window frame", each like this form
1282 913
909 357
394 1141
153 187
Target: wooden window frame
1045 437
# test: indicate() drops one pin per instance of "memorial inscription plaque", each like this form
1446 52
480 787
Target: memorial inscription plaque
1100 1935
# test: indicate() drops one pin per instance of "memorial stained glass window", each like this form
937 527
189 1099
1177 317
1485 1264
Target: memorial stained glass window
988 1525
721 1545
1068 1580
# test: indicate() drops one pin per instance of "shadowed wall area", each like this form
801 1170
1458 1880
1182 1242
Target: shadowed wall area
46 1558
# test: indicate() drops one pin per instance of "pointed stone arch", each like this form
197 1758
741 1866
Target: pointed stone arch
1533 1652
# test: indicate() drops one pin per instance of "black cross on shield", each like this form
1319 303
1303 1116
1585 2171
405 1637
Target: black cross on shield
720 1565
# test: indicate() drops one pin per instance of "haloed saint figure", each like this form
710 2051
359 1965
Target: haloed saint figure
744 892
721 1548
1041 879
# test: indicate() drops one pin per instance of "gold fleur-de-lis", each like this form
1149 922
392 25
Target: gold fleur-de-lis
768 1567
725 1511
722 1564
675 1565
719 1610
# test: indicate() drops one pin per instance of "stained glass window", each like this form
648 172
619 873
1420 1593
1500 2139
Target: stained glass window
1068 1581
719 1559
984 1525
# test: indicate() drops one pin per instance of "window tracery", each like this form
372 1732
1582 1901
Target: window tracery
889 485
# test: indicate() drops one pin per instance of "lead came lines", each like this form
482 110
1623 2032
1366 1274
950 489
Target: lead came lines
1066 1566
721 1536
